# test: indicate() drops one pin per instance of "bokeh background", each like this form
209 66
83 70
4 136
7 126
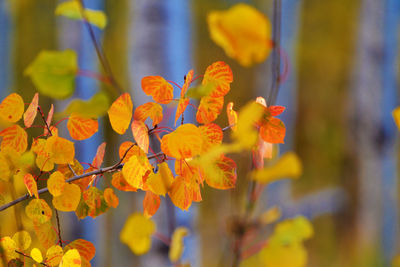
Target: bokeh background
340 91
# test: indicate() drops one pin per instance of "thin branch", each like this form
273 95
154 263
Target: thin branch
27 256
109 169
44 120
99 51
58 229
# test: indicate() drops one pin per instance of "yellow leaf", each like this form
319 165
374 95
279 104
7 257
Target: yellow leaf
71 259
31 185
271 215
72 10
149 110
85 248
176 248
158 88
56 183
69 199
160 182
43 160
136 233
80 127
243 32
36 255
8 246
120 113
287 166
185 142
61 150
45 234
396 116
38 211
141 135
135 169
246 134
22 240
14 137
232 116
54 255
12 108
110 197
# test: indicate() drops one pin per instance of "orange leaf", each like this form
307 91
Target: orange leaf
61 150
110 197
54 255
12 108
85 248
151 203
31 185
224 176
188 81
276 110
212 136
49 118
81 128
119 182
158 88
273 131
69 199
135 169
43 161
98 159
14 137
31 111
45 233
185 142
38 211
209 109
180 193
149 110
219 74
141 134
56 183
232 116
135 150
120 113
182 104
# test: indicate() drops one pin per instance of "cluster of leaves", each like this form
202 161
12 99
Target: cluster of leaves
196 153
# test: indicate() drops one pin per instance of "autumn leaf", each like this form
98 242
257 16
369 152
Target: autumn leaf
69 198
71 259
85 248
183 192
98 159
45 233
158 88
81 128
54 255
120 113
287 166
31 111
31 185
222 174
110 198
8 246
14 137
133 150
135 169
183 102
119 182
66 170
136 233
160 182
273 131
92 203
38 211
212 136
271 215
49 119
43 160
141 134
149 110
151 203
185 142
176 248
60 150
220 76
53 73
243 32
36 255
12 108
188 81
232 116
94 107
209 109
22 240
72 10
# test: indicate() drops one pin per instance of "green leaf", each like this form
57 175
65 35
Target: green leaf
53 73
72 10
95 107
200 91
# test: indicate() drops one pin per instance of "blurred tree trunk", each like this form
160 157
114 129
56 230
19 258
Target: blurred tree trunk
366 130
327 39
